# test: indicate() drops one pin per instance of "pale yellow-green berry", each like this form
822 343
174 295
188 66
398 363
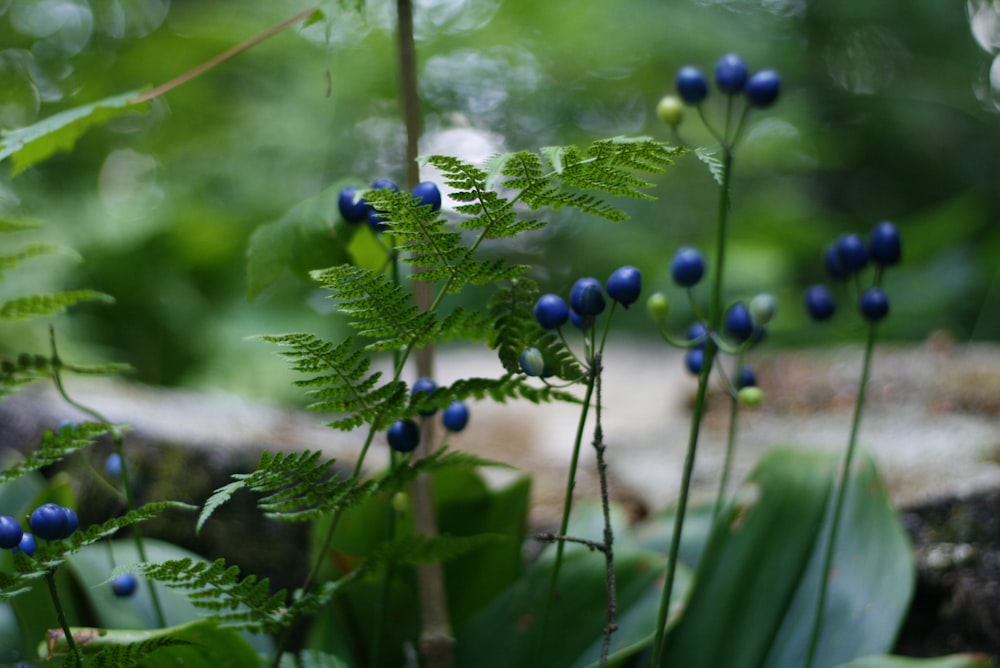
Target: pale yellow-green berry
762 308
751 397
658 306
400 502
670 110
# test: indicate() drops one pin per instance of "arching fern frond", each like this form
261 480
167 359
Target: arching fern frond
55 445
247 603
132 654
41 306
341 381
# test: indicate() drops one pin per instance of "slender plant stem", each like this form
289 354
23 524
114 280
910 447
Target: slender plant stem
50 580
714 320
118 439
838 509
727 465
609 535
567 506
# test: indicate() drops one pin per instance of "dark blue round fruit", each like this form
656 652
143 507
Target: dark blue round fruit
698 333
820 303
456 416
429 194
403 435
851 253
551 311
691 85
831 261
578 320
624 285
28 544
124 585
694 359
885 245
532 362
49 521
353 209
731 73
745 377
738 323
587 297
424 386
376 221
10 532
762 88
383 184
72 522
873 304
687 267
113 465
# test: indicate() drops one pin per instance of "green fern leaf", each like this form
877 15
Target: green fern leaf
132 654
14 259
40 306
511 311
55 446
341 382
714 165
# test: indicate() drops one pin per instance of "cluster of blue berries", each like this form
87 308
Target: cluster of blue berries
844 259
743 324
49 521
356 209
586 302
404 434
732 78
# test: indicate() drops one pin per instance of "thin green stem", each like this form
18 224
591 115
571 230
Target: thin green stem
564 524
727 465
714 321
838 509
50 580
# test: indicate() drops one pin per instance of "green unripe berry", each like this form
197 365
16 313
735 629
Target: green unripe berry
750 396
762 308
670 110
658 306
532 362
400 502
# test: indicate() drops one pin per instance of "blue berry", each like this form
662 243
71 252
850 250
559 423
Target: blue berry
831 261
429 194
851 253
687 267
738 323
578 320
49 521
691 85
551 311
376 221
10 532
455 417
745 377
624 285
762 88
426 387
819 302
884 245
72 522
587 297
698 333
873 304
28 544
693 360
532 362
353 209
403 435
113 465
383 184
124 585
731 73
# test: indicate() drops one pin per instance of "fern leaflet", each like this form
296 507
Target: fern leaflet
55 446
40 306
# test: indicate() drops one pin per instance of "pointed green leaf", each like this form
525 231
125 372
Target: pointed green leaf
953 661
32 144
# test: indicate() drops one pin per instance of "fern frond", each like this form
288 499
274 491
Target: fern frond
132 654
55 445
14 259
216 587
40 306
707 156
341 382
507 387
511 309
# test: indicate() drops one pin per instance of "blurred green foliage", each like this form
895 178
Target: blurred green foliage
889 111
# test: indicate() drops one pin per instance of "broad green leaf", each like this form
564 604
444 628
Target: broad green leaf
311 235
953 661
32 144
508 631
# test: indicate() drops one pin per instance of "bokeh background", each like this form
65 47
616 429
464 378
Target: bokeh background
889 110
